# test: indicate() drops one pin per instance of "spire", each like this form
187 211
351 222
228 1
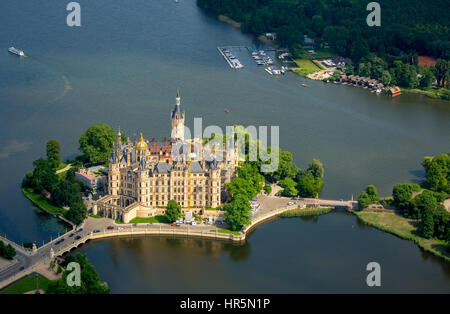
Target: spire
177 111
119 140
178 97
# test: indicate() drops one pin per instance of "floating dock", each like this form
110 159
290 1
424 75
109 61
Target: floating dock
232 61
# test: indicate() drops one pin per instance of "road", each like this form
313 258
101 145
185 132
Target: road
98 228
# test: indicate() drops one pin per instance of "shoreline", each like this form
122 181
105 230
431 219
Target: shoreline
261 38
57 215
428 245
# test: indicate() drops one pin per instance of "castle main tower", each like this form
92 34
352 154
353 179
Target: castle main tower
177 118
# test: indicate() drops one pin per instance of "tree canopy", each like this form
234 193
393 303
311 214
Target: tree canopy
173 210
90 281
97 142
53 153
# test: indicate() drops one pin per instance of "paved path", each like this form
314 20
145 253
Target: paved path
94 228
64 169
97 228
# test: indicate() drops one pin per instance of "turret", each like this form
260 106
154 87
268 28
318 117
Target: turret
177 118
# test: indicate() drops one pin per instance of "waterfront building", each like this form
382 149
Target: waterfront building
94 177
393 91
144 175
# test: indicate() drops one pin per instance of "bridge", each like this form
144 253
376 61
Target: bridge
27 260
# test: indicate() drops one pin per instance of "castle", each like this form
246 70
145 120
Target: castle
143 175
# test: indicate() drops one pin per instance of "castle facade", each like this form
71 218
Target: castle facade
144 175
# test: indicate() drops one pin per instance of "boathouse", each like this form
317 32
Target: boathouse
393 91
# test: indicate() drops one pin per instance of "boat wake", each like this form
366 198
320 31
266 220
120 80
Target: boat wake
67 88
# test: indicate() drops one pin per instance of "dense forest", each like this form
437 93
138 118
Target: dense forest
408 28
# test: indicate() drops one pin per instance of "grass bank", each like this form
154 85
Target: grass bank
43 203
403 228
155 219
27 284
305 212
226 231
440 93
306 67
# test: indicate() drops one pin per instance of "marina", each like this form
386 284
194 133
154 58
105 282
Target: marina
259 56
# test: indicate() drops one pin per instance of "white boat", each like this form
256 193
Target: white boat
16 51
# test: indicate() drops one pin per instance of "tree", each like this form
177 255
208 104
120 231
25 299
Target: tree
90 281
437 173
402 194
308 185
427 77
286 167
97 142
237 212
7 251
364 200
442 72
248 183
77 213
289 186
423 202
371 191
173 211
268 189
66 194
386 78
43 176
53 153
427 224
316 168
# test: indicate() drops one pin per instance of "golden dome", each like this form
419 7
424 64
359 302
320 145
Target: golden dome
142 144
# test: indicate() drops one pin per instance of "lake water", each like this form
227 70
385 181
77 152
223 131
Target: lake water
122 67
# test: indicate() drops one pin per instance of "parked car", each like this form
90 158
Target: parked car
134 225
79 230
110 228
173 224
77 237
96 231
119 228
71 235
150 224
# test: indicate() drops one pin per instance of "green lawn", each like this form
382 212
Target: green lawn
441 93
324 53
226 231
306 67
95 216
61 166
26 284
403 228
155 219
305 212
43 203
